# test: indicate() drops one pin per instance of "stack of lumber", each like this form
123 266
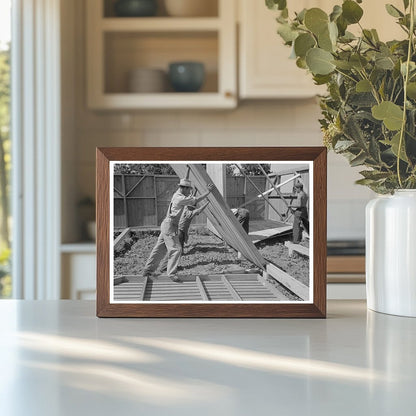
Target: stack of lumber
220 215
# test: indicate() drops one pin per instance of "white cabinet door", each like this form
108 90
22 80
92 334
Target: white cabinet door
264 66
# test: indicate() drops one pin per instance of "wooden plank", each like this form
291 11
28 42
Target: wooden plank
120 237
228 285
119 279
221 216
258 236
296 247
201 288
276 188
298 288
143 288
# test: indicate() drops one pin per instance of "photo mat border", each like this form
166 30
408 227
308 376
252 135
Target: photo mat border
311 234
315 308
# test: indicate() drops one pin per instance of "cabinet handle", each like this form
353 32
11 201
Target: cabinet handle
229 94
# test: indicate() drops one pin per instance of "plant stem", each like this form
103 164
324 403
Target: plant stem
405 81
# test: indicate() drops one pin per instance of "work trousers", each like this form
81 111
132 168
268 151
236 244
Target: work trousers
167 243
301 217
164 264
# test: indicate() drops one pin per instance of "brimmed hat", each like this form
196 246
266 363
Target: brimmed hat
185 182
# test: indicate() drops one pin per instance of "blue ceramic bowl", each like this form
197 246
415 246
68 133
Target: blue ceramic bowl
135 8
186 76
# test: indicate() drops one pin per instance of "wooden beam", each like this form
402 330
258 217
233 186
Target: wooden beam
258 190
298 288
276 188
230 288
221 216
296 247
263 280
217 173
201 288
120 237
141 297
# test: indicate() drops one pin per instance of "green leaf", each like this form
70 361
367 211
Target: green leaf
358 160
301 63
411 90
393 11
319 61
351 11
276 4
391 114
321 79
384 62
336 12
343 145
287 33
316 20
394 143
345 65
303 43
374 174
325 42
375 35
358 61
363 86
301 15
347 37
406 4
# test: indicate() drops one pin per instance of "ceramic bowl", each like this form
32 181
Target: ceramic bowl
135 8
186 76
147 80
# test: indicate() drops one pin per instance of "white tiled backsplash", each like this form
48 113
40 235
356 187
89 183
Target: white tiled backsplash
259 123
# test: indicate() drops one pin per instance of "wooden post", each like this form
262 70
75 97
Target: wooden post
217 173
123 183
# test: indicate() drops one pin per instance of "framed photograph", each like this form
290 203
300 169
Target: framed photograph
211 232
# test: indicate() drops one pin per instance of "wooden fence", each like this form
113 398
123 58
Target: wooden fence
142 201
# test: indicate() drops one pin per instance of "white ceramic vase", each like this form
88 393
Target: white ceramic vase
391 253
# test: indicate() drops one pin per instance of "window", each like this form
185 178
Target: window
5 145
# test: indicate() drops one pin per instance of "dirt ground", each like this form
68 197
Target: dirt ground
207 254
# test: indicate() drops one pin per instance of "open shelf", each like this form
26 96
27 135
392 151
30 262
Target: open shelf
210 10
126 51
116 46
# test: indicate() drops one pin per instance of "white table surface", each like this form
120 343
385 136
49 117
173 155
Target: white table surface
57 358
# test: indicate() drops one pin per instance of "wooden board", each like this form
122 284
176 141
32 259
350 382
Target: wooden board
298 248
298 288
220 214
235 287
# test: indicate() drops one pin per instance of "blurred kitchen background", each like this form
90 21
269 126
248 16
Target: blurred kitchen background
117 88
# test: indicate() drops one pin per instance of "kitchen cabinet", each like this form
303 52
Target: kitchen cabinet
118 45
265 70
78 262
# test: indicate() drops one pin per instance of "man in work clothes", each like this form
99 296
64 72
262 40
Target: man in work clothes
300 213
189 213
168 241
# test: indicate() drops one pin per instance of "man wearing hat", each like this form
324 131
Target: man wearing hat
168 241
300 213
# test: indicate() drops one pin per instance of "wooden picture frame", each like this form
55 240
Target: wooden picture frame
311 306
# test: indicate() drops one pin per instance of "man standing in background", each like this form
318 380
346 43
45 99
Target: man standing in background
300 213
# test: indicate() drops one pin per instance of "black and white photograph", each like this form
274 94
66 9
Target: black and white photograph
211 232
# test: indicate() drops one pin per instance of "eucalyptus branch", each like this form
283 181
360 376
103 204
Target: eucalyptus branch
406 79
